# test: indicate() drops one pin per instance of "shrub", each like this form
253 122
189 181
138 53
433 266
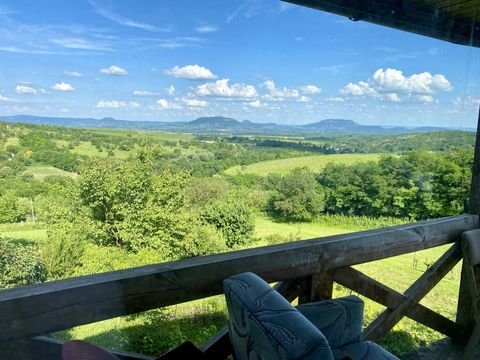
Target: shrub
20 265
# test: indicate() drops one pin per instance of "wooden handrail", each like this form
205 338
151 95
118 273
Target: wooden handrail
57 305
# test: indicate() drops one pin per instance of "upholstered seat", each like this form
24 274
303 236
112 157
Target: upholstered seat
264 325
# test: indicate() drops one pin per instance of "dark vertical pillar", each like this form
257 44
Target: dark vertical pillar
464 309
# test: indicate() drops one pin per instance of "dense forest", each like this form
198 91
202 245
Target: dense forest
88 201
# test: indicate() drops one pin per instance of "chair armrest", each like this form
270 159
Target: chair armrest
340 320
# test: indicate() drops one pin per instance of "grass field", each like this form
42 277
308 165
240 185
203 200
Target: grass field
314 162
42 171
23 232
155 134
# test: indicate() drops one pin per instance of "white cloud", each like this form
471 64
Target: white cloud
64 110
310 89
145 93
26 89
195 102
164 104
111 104
283 93
423 83
304 99
77 43
221 88
206 29
426 98
4 98
336 99
170 90
393 97
469 101
256 104
74 74
191 72
63 87
362 88
114 70
124 21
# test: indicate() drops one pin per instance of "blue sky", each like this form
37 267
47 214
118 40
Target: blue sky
262 60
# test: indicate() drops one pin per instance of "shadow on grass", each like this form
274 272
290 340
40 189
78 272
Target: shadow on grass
399 342
155 332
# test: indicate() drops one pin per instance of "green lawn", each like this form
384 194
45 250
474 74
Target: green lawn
314 162
23 232
86 148
135 133
42 171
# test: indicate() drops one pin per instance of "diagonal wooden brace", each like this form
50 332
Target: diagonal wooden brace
421 287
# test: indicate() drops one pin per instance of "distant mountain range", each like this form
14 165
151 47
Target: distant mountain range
224 125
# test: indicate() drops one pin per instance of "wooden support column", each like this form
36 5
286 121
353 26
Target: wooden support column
387 320
465 315
322 285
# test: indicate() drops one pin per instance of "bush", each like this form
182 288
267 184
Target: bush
234 220
20 265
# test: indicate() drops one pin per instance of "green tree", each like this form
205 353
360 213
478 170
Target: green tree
20 265
298 196
10 210
233 218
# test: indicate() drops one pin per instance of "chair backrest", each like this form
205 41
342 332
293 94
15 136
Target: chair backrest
471 243
264 325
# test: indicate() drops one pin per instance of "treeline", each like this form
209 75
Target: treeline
432 141
418 185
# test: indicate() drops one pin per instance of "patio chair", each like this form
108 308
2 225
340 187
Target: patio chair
471 258
264 325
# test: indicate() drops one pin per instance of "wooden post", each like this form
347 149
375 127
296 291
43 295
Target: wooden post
464 308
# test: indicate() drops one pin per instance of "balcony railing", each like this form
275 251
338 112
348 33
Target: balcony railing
305 269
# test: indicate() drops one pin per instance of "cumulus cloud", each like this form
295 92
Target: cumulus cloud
26 89
274 92
170 90
392 85
110 104
74 74
310 89
191 72
206 29
195 102
361 88
423 83
145 93
164 104
336 99
257 104
63 87
304 99
221 88
114 70
4 98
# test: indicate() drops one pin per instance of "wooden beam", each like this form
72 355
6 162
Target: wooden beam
387 320
427 20
474 200
376 291
465 307
322 285
58 305
48 349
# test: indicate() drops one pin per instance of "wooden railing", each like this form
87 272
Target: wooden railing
305 269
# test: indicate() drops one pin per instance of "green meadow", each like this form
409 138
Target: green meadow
314 162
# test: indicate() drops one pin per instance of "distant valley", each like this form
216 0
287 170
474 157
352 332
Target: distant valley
225 125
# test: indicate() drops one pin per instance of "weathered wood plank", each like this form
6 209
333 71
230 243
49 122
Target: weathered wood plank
376 291
387 320
48 349
465 308
58 305
322 285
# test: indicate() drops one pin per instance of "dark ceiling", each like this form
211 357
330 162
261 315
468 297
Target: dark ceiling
456 21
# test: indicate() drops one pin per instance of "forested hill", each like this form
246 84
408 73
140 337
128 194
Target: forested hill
220 124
